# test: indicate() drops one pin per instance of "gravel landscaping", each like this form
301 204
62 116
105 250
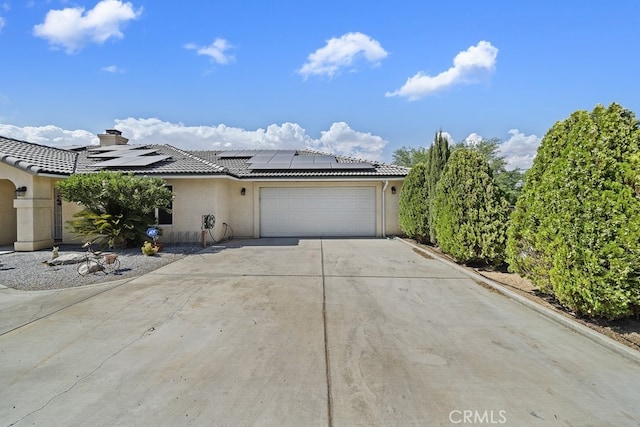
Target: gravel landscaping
28 270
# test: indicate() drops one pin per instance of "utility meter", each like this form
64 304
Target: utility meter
208 222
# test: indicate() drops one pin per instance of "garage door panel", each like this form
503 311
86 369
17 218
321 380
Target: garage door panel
317 211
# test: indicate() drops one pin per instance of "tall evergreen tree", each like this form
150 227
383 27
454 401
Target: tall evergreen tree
438 156
413 216
509 181
575 231
470 212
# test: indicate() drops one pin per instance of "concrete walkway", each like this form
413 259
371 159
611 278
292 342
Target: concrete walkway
287 332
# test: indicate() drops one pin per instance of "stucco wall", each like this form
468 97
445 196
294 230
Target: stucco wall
34 210
8 223
392 208
194 198
241 208
222 197
15 175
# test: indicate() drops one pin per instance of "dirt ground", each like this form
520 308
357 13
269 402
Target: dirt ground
625 331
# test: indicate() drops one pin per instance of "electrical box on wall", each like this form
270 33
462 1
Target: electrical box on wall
208 222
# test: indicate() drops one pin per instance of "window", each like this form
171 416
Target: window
163 216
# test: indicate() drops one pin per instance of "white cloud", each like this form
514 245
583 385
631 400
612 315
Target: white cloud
339 139
49 135
473 139
448 137
342 52
216 50
113 69
468 67
520 149
72 28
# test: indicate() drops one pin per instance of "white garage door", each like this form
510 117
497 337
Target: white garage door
318 211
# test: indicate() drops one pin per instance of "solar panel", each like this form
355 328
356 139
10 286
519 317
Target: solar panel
270 166
120 153
130 161
261 158
114 148
330 159
281 158
302 159
237 154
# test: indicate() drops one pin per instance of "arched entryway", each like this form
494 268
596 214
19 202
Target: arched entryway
8 215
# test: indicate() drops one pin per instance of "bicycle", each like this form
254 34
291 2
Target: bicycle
95 261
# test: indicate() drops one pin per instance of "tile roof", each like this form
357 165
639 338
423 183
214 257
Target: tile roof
36 158
169 160
240 167
179 162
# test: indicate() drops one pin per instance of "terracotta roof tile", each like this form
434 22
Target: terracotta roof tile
36 158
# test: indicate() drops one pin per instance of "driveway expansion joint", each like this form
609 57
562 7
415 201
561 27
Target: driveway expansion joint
326 341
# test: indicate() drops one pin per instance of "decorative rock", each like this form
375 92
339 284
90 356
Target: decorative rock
66 259
89 267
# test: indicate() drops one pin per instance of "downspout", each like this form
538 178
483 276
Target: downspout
384 209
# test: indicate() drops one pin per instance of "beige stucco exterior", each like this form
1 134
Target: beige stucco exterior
223 198
27 222
8 231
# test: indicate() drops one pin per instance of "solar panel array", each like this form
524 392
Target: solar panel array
238 154
121 153
290 160
123 156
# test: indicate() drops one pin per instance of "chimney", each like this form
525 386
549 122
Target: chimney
112 137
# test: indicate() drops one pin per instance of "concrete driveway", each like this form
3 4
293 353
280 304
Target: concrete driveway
301 333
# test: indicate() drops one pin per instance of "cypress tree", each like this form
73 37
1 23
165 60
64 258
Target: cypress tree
470 212
438 157
413 216
575 231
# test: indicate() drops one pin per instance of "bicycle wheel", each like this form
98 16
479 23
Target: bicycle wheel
88 266
111 265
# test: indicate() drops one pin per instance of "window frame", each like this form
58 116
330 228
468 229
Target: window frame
166 214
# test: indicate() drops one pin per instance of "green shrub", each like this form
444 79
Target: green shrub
413 215
149 249
470 212
108 230
118 207
575 231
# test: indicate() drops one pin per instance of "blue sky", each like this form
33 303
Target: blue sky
359 78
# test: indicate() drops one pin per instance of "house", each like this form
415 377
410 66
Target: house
251 193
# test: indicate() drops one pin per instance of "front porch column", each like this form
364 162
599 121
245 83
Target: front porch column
35 219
